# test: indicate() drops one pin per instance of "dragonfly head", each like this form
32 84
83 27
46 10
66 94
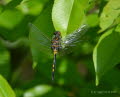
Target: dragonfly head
57 33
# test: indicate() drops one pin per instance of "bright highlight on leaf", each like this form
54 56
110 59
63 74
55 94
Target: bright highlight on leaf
38 91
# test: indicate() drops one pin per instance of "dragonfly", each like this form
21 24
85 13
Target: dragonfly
56 44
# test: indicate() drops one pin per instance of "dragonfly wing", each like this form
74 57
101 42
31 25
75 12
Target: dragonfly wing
39 40
75 38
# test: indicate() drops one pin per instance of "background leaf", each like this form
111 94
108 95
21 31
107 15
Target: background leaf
68 15
109 14
33 7
5 89
106 53
38 91
93 20
13 4
43 91
4 62
7 18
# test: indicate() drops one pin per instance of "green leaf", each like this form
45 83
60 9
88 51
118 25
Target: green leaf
106 53
37 91
4 61
44 22
5 89
68 15
110 12
13 4
117 28
1 9
93 20
8 20
33 7
45 91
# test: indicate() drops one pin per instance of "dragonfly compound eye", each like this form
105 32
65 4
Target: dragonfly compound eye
57 33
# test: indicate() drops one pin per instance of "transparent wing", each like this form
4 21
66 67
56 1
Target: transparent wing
75 38
39 40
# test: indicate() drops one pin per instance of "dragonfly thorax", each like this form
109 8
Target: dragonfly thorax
56 42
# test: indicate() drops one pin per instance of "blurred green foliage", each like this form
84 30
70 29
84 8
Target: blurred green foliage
28 69
5 89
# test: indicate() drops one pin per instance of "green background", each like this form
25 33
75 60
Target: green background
92 69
